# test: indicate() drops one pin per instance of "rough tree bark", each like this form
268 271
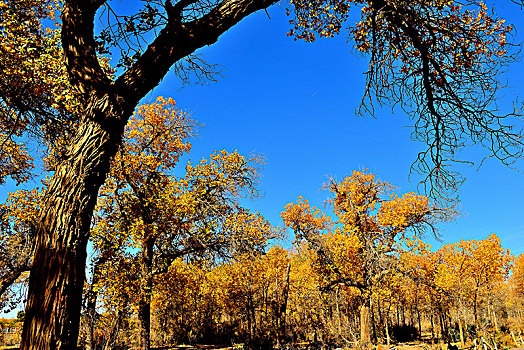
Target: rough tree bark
58 271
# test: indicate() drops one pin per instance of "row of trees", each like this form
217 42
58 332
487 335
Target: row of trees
438 60
281 296
179 258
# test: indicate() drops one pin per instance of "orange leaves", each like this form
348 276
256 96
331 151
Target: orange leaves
359 248
347 256
226 173
322 18
23 205
517 278
434 19
37 98
360 203
466 267
154 140
303 219
15 161
357 193
146 218
17 218
249 232
400 211
33 76
355 199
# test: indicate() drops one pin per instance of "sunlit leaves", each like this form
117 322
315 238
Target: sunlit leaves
35 92
15 161
468 266
372 225
17 240
517 278
155 138
147 218
304 219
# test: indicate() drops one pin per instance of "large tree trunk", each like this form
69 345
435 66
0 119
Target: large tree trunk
58 270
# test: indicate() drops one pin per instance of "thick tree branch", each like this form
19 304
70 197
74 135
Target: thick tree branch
79 46
178 40
345 282
11 276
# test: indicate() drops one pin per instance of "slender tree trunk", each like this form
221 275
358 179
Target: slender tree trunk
373 327
92 295
58 270
339 316
365 326
419 324
113 337
443 333
432 326
475 311
144 305
283 306
144 317
461 332
250 315
379 307
495 323
388 339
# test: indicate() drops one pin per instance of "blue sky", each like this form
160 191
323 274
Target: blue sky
295 102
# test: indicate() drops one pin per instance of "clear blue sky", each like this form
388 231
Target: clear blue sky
295 103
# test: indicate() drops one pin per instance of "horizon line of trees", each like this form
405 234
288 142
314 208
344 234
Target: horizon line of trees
457 293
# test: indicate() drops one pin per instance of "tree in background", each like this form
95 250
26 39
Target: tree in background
469 270
517 278
371 228
147 219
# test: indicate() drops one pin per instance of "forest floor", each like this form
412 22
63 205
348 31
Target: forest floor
402 346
